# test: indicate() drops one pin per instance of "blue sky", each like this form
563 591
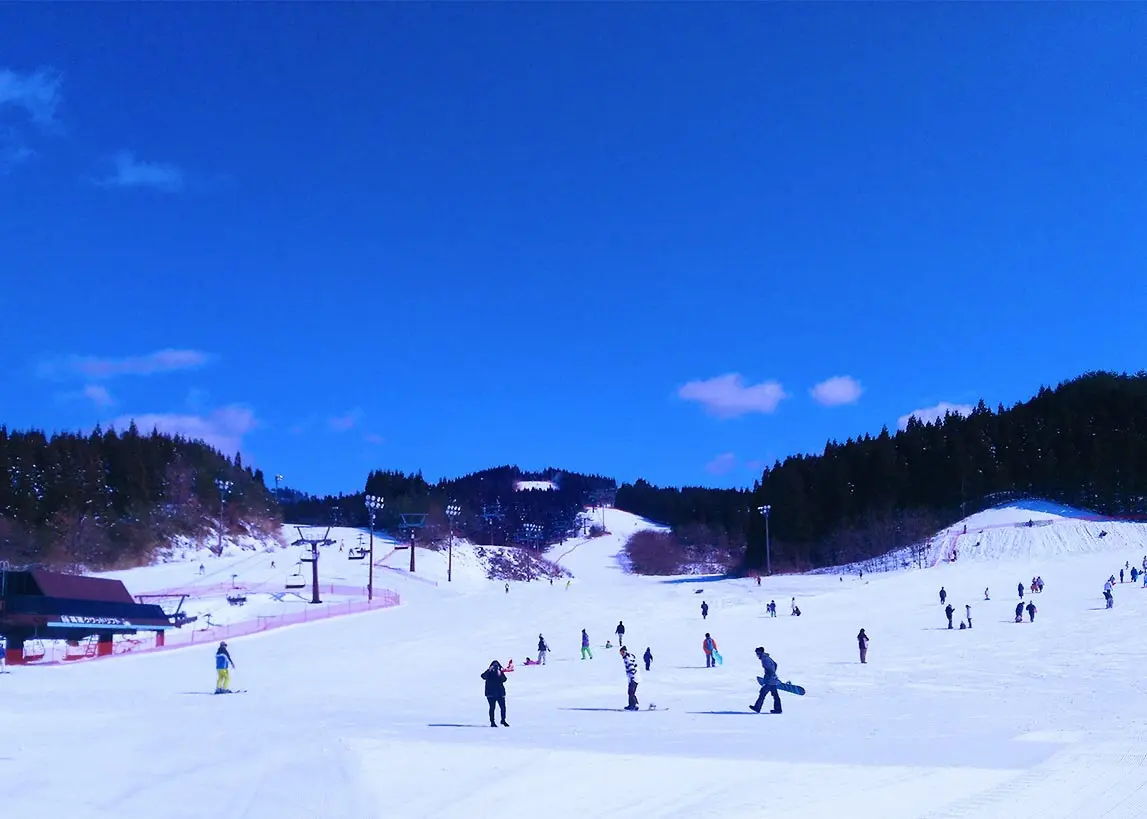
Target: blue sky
628 238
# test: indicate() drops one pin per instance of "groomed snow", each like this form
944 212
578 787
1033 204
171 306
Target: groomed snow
382 714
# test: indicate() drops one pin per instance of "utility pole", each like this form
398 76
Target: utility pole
224 489
374 504
764 510
452 512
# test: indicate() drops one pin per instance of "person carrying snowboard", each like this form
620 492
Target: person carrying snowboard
709 646
543 650
768 683
862 640
495 679
585 649
223 666
948 611
648 657
631 674
704 610
620 632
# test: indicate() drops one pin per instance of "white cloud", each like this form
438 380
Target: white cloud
836 391
223 429
130 172
929 414
98 394
161 361
36 94
345 422
726 396
723 464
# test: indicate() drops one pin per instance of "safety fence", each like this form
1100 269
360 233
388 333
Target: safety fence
41 652
217 589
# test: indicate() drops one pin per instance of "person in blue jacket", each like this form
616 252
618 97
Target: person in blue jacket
770 682
223 666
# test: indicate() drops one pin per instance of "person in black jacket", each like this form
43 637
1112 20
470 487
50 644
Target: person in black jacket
495 679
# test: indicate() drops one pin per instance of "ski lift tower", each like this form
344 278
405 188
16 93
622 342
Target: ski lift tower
314 543
492 513
412 522
603 498
532 534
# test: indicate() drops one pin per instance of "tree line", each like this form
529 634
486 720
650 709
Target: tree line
113 500
1083 443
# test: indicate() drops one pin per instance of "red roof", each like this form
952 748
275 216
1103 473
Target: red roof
78 587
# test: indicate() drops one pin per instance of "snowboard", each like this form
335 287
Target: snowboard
717 656
231 691
791 688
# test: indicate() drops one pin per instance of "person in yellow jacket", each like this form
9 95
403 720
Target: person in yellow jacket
223 666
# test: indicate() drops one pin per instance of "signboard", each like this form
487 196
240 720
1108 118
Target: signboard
76 620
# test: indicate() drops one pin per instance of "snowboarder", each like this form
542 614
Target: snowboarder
507 588
223 666
1031 612
585 649
986 593
631 674
1108 597
769 686
1134 574
1020 611
794 606
543 650
495 679
1020 589
943 596
648 657
862 639
620 632
948 611
201 569
772 608
704 610
709 646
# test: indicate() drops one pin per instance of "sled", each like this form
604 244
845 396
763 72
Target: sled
791 688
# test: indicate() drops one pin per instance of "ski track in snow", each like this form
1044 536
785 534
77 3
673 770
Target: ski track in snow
382 714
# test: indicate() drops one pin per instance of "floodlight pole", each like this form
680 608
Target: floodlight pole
452 511
764 510
412 550
373 504
224 488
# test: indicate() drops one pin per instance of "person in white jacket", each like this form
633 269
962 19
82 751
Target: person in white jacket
630 673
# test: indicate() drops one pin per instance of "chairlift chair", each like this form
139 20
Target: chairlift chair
296 581
307 556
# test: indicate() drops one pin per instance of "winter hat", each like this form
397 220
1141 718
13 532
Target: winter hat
760 649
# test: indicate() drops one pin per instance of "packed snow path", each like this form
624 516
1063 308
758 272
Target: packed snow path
382 715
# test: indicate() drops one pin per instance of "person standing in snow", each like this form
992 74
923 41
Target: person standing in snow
1120 575
1031 612
495 679
543 650
1020 611
968 611
943 596
620 632
704 610
772 608
648 657
223 666
1108 597
1020 589
948 611
794 606
769 684
986 593
862 640
507 588
631 674
585 649
709 646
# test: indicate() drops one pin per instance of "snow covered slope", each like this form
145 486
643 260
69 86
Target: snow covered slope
383 714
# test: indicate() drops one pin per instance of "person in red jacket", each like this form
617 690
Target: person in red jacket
709 646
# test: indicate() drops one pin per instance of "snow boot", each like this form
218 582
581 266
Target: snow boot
775 711
755 707
505 724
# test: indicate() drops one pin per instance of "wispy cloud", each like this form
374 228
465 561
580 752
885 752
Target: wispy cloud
727 396
346 422
373 438
99 395
837 391
223 429
929 414
96 368
35 94
130 172
723 464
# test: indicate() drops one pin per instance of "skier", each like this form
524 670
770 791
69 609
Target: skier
543 650
1031 612
948 611
1020 589
769 686
495 679
709 646
631 674
223 666
968 610
1020 611
585 649
620 632
648 657
704 610
943 596
862 639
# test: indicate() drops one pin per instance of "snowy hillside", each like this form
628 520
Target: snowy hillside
383 714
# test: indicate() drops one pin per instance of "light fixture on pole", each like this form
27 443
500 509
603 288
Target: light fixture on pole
374 504
452 512
224 489
764 510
